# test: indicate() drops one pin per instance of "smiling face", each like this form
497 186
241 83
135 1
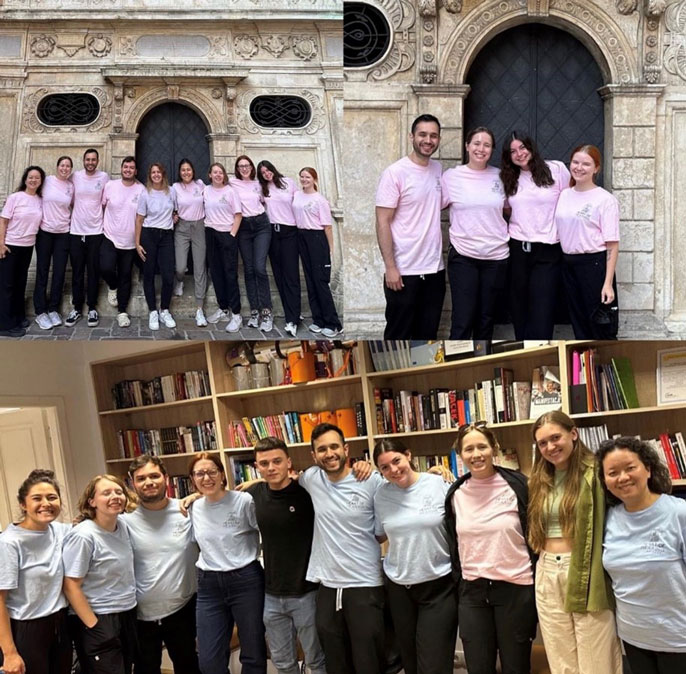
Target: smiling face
330 453
41 506
207 478
425 139
156 176
33 181
150 484
520 154
273 466
477 453
396 468
217 176
583 168
186 172
556 444
64 169
90 162
626 476
128 171
479 149
244 169
306 180
266 174
109 499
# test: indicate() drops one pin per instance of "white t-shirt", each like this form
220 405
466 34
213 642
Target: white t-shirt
86 215
120 202
158 208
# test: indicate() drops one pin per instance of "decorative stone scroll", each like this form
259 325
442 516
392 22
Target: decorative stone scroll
675 39
247 124
31 123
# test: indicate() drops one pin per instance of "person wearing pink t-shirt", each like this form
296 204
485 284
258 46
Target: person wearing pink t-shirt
278 192
52 245
254 238
532 187
587 220
493 565
408 229
19 222
477 259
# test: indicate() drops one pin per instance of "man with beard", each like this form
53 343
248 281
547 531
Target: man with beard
408 228
164 556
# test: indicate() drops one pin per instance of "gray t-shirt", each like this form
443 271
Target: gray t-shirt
226 532
104 560
31 570
413 520
164 557
345 552
158 208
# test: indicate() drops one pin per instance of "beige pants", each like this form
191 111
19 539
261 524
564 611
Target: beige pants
575 643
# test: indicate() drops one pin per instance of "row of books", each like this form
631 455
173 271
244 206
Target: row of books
243 470
179 486
165 389
507 458
199 437
248 430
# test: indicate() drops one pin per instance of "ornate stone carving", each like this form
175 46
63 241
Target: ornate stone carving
650 7
626 6
655 7
127 46
246 46
218 46
453 6
245 122
427 7
275 44
42 45
675 38
71 43
99 45
173 92
216 93
31 123
304 46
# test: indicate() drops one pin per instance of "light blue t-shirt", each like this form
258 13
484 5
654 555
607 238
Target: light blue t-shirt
644 553
31 570
226 532
158 208
104 559
164 557
345 552
413 520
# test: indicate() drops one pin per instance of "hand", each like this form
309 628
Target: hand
394 281
186 503
607 294
362 470
90 627
141 251
175 218
444 472
242 486
13 664
4 250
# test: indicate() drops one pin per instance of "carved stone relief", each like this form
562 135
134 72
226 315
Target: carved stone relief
30 121
42 45
245 122
99 45
246 46
675 39
303 47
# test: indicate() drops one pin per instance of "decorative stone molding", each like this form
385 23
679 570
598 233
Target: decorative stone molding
650 7
127 46
245 122
538 7
626 6
71 43
275 44
246 46
427 7
651 50
675 39
99 45
31 123
304 47
453 6
42 45
218 46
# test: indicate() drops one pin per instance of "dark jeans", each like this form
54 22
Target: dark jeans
415 311
535 278
222 258
14 272
497 617
352 637
225 598
316 258
50 248
254 236
116 265
474 287
84 253
159 248
283 254
177 632
643 661
425 622
583 277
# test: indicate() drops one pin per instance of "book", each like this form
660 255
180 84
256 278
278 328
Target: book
546 393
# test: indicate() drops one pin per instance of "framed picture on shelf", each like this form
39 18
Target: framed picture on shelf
671 376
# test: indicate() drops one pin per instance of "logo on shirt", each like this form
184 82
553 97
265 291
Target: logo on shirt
292 509
98 185
178 530
438 184
497 187
506 499
222 200
231 521
134 199
585 212
356 502
310 207
655 542
429 505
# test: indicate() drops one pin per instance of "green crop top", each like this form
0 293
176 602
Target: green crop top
553 529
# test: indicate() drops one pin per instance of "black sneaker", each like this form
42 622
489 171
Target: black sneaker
15 332
93 318
73 318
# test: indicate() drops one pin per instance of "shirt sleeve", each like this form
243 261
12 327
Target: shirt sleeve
8 210
105 195
252 516
142 207
9 565
563 176
445 190
306 478
325 218
387 191
76 554
609 219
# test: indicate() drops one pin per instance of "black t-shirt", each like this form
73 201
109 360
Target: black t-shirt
286 521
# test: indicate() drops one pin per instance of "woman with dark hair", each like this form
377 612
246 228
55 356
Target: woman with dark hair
532 187
477 259
254 238
278 192
52 244
155 242
492 563
19 222
644 552
33 609
99 579
587 220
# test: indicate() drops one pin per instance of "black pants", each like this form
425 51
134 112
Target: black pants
497 617
352 637
643 661
177 631
316 258
50 248
43 644
110 646
283 255
535 277
415 311
116 265
425 622
583 277
84 253
159 249
14 272
222 258
254 237
475 286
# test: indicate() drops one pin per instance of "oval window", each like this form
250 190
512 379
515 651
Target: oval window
280 112
68 109
366 35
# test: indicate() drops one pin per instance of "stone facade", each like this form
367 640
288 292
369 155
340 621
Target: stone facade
640 47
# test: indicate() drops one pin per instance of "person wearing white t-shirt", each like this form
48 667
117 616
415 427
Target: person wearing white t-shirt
408 229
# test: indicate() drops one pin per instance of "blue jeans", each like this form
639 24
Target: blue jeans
254 237
225 598
286 617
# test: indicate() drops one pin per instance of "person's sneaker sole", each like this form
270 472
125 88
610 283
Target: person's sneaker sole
43 322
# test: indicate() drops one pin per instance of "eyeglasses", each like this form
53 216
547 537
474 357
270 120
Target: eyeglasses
199 474
472 425
244 166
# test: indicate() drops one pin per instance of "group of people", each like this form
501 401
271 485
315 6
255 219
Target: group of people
104 226
528 224
592 548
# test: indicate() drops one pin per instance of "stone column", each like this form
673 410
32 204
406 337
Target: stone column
10 96
121 145
224 148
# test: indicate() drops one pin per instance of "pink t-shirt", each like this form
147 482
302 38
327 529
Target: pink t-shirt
587 220
533 207
86 216
57 197
189 200
489 534
250 196
312 211
221 205
476 200
120 204
24 213
279 203
414 191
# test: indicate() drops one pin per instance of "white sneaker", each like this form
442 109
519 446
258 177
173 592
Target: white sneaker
330 333
291 329
123 320
178 288
235 323
314 328
154 321
112 297
267 322
200 319
44 322
93 318
55 319
167 319
219 315
254 319
73 318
